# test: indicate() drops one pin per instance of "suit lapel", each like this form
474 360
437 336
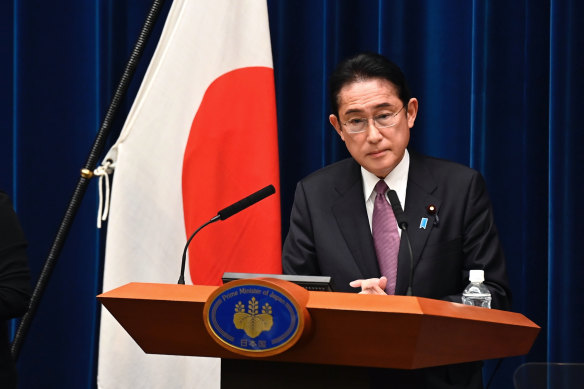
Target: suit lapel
351 215
419 196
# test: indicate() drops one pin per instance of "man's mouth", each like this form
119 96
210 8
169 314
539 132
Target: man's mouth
377 153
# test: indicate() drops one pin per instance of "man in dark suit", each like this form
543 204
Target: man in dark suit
451 228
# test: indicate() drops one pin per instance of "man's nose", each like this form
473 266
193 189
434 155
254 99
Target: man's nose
373 133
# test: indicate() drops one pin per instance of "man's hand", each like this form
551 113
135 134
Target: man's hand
371 285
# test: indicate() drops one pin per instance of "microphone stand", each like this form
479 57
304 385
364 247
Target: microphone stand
404 228
403 225
181 280
224 214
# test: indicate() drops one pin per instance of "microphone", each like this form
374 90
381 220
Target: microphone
246 202
403 225
224 214
397 210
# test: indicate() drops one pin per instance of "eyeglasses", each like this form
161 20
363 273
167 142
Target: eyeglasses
385 120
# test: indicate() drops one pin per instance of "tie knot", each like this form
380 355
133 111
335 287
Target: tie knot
381 187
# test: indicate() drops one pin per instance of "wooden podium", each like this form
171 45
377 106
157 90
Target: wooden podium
396 332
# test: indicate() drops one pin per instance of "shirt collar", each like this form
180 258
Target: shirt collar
397 179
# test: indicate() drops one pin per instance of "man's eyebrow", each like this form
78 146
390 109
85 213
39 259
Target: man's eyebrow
354 110
383 105
357 110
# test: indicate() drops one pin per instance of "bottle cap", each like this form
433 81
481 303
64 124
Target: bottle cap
476 276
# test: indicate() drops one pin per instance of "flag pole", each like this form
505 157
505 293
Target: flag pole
86 175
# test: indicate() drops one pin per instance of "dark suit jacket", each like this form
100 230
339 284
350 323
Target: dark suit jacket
14 284
330 234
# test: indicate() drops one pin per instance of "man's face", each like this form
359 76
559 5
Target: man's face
377 150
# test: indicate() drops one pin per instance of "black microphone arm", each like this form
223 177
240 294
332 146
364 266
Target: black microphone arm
246 202
403 224
224 214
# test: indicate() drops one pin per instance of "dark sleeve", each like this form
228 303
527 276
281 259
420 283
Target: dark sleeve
481 248
14 271
298 253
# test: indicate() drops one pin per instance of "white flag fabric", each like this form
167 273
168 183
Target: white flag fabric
201 134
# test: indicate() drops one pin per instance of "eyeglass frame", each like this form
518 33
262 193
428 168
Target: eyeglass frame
374 122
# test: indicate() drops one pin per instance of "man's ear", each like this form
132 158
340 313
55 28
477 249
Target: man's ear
335 122
412 111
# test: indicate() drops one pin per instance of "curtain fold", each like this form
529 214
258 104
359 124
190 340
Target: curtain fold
566 186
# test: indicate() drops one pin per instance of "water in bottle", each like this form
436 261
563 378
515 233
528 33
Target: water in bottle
477 293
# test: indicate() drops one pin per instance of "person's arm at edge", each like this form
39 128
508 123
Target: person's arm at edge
14 272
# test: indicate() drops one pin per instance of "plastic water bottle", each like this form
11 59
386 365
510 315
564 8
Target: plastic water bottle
477 293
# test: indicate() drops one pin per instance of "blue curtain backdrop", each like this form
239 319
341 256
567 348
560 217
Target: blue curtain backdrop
500 85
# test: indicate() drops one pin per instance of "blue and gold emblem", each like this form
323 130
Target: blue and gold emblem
252 322
253 316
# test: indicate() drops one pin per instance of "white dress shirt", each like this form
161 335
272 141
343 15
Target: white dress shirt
397 180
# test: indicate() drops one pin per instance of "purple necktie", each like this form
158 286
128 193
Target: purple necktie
385 236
